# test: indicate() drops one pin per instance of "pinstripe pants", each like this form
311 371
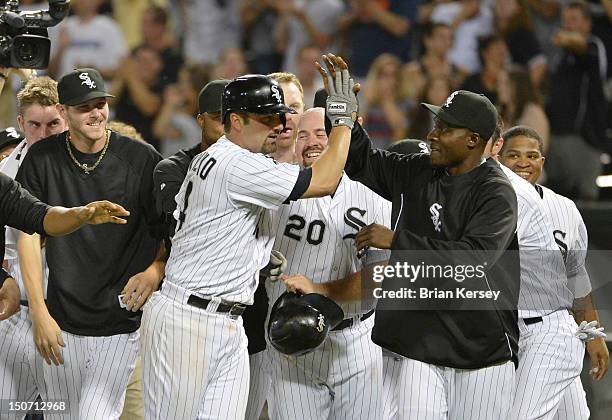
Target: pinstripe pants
195 363
20 367
429 392
548 377
94 375
342 380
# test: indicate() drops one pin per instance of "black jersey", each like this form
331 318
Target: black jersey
18 209
89 268
439 214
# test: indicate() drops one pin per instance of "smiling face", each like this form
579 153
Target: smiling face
87 121
293 99
449 145
522 155
311 139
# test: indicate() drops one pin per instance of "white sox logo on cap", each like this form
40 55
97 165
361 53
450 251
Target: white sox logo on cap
86 80
275 93
11 132
449 100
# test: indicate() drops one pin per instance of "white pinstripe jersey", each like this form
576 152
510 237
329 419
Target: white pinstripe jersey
571 237
544 287
317 236
9 167
221 242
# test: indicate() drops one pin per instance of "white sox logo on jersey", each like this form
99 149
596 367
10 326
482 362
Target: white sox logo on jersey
276 94
321 323
449 100
351 219
86 80
435 216
559 236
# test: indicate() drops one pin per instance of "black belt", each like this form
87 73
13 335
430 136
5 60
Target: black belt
534 320
233 309
347 323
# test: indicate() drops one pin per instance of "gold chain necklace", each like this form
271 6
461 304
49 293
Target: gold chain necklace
86 168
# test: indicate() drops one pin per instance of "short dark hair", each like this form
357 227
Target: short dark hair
485 42
160 15
227 124
580 5
499 128
431 27
522 130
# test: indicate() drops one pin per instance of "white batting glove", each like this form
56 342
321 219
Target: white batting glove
589 331
277 265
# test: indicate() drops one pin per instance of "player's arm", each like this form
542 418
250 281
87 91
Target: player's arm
46 332
9 296
354 287
584 310
342 109
141 286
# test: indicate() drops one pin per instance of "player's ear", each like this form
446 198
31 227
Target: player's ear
62 111
474 140
497 146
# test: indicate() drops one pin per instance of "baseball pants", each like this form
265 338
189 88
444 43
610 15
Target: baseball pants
259 383
195 362
94 375
21 376
342 380
430 392
550 360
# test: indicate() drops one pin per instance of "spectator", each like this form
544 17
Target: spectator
434 64
176 124
259 26
494 58
304 22
420 120
470 20
385 103
126 12
231 64
520 104
514 24
577 107
86 39
375 27
210 26
138 91
155 35
307 73
546 20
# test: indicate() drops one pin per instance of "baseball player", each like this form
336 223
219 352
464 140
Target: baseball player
38 118
294 98
87 329
220 244
551 353
342 379
448 201
282 150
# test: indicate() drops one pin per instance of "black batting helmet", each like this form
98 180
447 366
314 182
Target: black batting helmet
300 323
254 93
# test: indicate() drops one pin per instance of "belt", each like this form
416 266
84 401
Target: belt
347 323
534 320
234 310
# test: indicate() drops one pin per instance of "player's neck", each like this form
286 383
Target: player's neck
86 145
284 155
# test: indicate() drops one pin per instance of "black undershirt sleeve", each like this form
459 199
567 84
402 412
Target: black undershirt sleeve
301 185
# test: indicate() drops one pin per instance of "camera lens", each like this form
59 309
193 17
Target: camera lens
27 51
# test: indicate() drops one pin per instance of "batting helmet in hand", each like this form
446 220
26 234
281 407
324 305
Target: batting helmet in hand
254 93
300 323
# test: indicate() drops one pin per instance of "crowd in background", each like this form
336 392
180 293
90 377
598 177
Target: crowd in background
542 62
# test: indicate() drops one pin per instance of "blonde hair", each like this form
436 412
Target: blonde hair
375 69
285 77
38 91
125 130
